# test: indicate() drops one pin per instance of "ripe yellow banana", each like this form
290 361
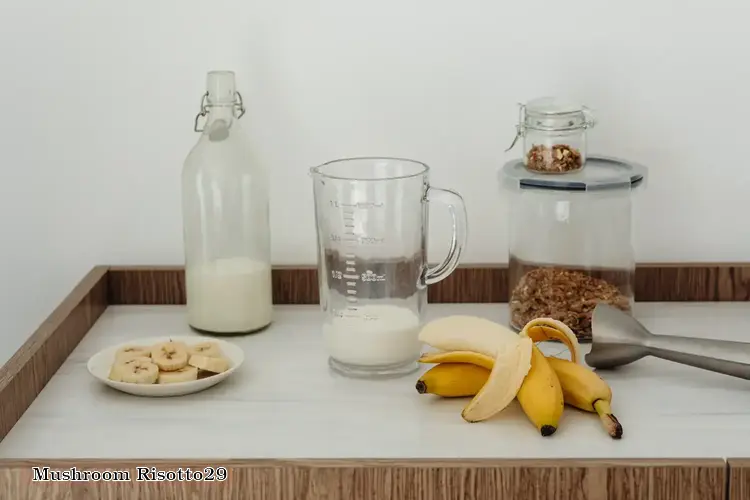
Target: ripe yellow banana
541 395
584 389
453 380
470 357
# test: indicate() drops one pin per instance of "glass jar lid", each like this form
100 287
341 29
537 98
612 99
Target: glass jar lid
554 114
601 172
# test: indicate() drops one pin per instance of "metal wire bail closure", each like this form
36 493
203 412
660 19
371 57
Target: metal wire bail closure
520 129
239 107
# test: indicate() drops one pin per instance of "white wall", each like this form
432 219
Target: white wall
98 100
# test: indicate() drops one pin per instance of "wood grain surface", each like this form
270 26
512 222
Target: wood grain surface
739 479
402 480
27 372
164 285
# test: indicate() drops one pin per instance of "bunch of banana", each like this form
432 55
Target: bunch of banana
167 363
484 360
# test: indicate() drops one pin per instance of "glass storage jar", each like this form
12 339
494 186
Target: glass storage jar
553 133
570 242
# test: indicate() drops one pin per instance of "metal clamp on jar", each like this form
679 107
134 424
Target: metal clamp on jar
554 135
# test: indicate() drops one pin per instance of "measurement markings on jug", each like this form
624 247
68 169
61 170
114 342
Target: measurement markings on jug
370 204
360 204
370 240
371 276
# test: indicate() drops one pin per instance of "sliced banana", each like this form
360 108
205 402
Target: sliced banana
210 349
138 371
132 351
118 367
209 364
170 356
184 374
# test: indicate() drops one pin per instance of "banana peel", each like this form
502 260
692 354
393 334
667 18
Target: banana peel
544 329
511 365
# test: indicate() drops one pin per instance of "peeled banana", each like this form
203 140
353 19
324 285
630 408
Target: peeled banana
453 380
541 395
584 389
468 333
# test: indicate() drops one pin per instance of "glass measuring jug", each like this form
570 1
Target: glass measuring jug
372 220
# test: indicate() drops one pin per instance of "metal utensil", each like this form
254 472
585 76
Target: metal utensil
619 339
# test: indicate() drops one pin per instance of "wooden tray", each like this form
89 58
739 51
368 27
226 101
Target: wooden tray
403 478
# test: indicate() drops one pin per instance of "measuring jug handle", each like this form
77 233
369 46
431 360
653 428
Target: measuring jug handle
457 209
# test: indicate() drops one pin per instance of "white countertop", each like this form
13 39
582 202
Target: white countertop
286 403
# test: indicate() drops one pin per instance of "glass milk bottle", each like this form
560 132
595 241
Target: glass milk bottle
225 220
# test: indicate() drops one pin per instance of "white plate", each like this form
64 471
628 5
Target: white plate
100 363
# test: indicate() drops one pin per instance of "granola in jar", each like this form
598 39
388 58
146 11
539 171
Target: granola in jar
566 295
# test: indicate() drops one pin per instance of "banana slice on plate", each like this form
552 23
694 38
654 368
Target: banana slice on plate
209 364
118 367
158 366
170 356
210 349
138 371
132 351
184 374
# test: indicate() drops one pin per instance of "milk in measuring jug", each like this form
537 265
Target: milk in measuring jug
374 335
229 295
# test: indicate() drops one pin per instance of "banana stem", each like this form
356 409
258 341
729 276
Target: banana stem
609 421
